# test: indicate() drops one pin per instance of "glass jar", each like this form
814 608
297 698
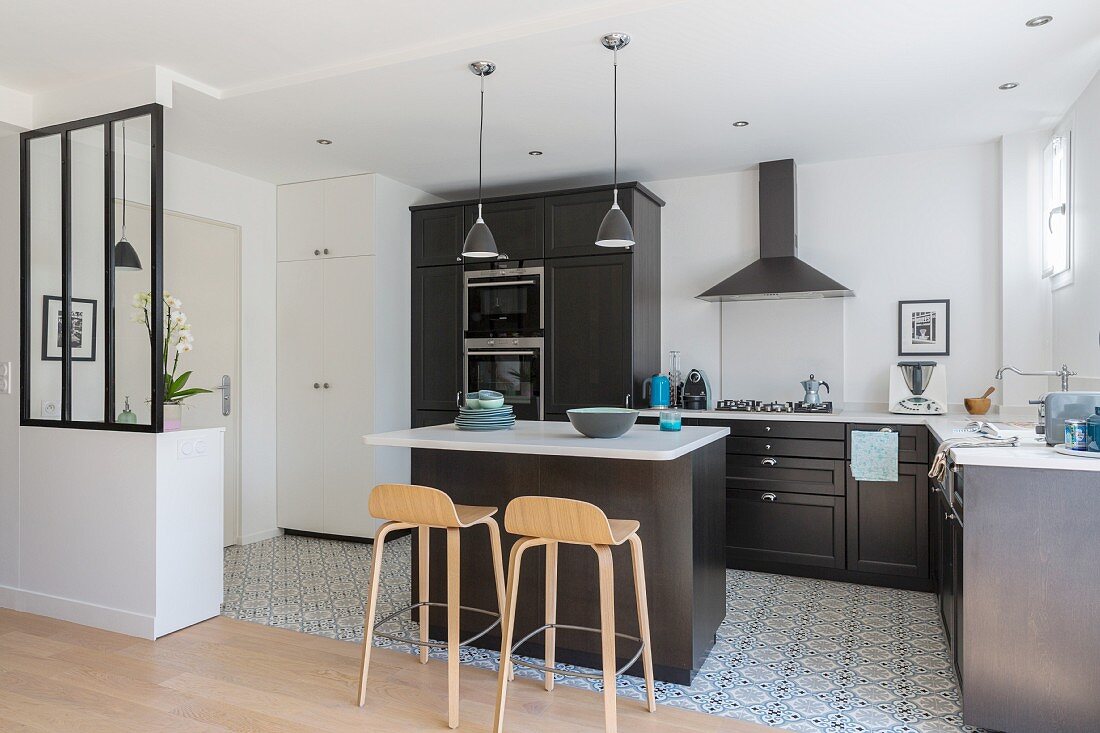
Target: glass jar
670 420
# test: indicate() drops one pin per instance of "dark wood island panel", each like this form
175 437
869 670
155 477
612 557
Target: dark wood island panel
681 506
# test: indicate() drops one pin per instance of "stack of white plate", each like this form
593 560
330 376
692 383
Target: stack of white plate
498 418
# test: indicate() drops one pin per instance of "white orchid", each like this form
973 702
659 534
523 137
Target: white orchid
185 336
178 319
183 347
173 303
177 340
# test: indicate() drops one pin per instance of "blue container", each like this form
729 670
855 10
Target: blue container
670 420
659 391
1076 438
1092 430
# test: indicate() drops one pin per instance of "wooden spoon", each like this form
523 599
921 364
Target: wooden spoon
988 392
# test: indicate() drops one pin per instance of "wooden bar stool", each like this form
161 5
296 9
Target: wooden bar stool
406 506
547 521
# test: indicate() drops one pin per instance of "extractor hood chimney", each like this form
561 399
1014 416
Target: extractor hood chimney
778 274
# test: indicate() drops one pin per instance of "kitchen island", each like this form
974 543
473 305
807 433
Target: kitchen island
671 482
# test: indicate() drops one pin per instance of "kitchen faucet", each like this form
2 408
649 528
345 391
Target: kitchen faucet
1064 373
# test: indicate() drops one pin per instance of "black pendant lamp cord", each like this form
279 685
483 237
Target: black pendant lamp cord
480 141
615 96
123 179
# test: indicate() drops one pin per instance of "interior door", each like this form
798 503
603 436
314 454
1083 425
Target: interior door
299 379
202 269
348 395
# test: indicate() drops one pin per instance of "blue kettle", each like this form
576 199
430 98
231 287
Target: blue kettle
658 389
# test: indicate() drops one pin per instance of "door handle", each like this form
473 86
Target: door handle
768 462
226 388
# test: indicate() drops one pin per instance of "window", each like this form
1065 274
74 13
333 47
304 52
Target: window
1057 236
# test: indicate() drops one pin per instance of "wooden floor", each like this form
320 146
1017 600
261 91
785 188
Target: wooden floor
234 675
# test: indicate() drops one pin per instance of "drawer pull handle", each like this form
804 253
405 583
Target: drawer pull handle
768 462
886 430
768 497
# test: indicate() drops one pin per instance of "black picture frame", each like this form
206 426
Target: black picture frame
52 331
924 331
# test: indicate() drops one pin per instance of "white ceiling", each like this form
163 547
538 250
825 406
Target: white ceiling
817 79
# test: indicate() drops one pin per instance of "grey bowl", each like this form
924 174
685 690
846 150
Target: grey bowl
602 422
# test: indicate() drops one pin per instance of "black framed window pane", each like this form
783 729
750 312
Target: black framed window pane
87 189
133 307
45 347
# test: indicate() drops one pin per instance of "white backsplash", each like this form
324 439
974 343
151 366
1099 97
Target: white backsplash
769 346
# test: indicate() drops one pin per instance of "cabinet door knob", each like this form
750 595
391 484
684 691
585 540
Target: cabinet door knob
325 385
316 252
458 259
767 428
948 516
317 385
767 446
326 250
768 462
768 497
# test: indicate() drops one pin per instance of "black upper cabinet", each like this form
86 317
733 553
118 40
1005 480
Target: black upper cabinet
436 337
437 236
573 221
517 226
888 524
588 332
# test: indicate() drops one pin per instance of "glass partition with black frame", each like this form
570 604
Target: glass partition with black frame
91 210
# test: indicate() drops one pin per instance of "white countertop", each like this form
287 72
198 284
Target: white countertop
641 443
1029 453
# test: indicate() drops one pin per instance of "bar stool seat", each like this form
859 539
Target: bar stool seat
407 506
542 520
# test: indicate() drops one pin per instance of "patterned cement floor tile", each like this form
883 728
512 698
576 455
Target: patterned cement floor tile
805 655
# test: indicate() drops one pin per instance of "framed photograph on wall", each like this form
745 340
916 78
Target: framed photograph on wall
83 317
924 327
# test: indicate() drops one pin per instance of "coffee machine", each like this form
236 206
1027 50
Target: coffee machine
696 391
918 387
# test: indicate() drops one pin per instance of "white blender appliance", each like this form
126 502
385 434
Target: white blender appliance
918 387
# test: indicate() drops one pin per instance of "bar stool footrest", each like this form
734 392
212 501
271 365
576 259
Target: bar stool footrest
435 644
571 673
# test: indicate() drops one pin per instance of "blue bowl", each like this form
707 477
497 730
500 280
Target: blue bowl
471 400
602 422
490 399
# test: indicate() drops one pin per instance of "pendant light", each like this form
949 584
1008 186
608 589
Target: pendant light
479 241
126 257
615 229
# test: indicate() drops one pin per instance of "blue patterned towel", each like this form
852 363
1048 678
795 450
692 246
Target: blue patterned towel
874 455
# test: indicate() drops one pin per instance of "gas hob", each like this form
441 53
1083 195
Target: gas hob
761 406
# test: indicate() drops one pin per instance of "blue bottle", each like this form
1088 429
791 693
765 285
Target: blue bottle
1092 432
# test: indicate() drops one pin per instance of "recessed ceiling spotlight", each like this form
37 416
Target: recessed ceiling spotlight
323 141
1008 85
741 123
534 152
1039 20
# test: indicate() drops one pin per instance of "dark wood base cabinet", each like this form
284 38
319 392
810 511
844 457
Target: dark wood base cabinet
679 505
888 524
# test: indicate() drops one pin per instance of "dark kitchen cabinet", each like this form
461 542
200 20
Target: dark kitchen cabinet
957 546
588 332
946 570
796 475
779 527
436 337
437 236
887 521
573 221
517 226
912 441
427 418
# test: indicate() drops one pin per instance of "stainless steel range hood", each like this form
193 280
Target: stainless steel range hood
778 274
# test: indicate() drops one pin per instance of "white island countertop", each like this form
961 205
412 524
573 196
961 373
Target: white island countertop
641 443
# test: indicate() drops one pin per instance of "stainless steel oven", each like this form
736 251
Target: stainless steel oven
511 366
505 302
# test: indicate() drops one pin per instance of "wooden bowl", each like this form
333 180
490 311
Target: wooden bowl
977 405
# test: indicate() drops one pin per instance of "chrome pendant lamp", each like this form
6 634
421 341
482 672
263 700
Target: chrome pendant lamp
479 241
615 230
126 257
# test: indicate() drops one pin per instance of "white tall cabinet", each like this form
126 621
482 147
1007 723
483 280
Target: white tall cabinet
343 347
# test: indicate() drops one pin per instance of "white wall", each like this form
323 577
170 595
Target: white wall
902 227
1076 307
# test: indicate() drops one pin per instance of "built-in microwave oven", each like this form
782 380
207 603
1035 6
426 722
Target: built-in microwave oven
503 303
511 366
